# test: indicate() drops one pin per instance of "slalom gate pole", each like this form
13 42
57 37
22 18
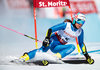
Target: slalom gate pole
78 48
71 13
36 45
20 33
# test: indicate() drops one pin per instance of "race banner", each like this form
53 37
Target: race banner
17 4
82 6
50 3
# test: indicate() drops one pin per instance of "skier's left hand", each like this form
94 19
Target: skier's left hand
90 60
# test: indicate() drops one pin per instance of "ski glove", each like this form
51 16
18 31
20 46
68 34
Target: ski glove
89 59
46 42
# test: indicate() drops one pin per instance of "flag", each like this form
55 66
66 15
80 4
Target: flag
44 4
50 3
83 6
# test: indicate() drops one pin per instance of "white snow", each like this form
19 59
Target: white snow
95 66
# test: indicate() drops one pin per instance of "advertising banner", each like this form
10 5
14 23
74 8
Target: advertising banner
82 6
50 3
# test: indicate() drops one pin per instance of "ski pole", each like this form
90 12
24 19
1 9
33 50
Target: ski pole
20 33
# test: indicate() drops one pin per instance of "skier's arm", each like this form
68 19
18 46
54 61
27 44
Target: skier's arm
55 28
83 48
60 26
81 43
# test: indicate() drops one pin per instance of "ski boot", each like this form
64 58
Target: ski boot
57 56
24 58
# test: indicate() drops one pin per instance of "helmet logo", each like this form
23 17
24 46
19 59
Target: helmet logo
79 18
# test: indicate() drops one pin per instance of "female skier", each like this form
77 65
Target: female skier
59 35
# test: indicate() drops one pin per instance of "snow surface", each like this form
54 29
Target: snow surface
95 66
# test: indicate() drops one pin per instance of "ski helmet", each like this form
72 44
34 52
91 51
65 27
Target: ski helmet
79 18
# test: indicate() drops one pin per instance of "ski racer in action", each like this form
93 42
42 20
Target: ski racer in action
59 35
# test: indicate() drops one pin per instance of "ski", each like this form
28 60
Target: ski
40 63
69 60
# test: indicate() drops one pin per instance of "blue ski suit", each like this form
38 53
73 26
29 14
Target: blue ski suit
62 34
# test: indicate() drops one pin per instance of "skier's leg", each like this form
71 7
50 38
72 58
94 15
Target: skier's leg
31 54
69 49
63 50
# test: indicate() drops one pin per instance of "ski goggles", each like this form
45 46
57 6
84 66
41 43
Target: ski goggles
79 21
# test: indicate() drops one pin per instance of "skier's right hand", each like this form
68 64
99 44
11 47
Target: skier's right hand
46 42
